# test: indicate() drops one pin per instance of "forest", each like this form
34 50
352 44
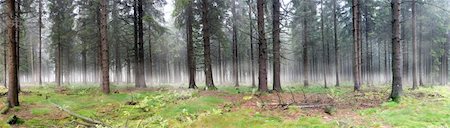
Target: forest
224 63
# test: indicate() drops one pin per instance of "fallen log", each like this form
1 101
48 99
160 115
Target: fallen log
85 119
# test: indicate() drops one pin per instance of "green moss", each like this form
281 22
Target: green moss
245 118
40 111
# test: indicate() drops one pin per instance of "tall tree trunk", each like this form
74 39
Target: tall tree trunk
262 59
368 44
40 42
128 61
4 58
206 46
252 58
141 71
414 63
235 46
117 53
13 89
104 45
190 48
336 45
420 66
305 47
84 61
150 57
118 64
220 63
136 54
323 43
356 46
396 52
58 63
276 45
445 69
18 23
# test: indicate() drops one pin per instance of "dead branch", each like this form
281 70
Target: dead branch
292 95
85 119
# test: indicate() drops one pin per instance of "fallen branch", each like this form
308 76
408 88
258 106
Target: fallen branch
84 124
297 105
312 105
85 119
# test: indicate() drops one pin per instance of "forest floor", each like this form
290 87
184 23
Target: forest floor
227 107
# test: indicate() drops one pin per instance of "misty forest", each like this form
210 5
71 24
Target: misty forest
224 63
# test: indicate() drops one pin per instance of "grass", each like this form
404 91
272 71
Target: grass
412 112
426 107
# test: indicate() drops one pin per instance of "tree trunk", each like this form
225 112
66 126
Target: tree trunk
84 61
128 61
368 44
13 89
235 46
262 59
336 45
276 45
190 47
5 45
206 46
445 69
117 53
40 42
356 46
141 71
252 58
420 66
396 52
305 48
18 23
150 58
414 63
104 45
324 55
58 63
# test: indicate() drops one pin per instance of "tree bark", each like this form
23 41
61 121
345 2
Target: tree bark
190 47
13 89
276 45
58 63
368 44
396 52
414 63
324 55
40 43
336 45
18 23
84 61
252 58
262 59
356 46
305 47
104 45
5 56
141 71
150 57
235 46
206 46
420 66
